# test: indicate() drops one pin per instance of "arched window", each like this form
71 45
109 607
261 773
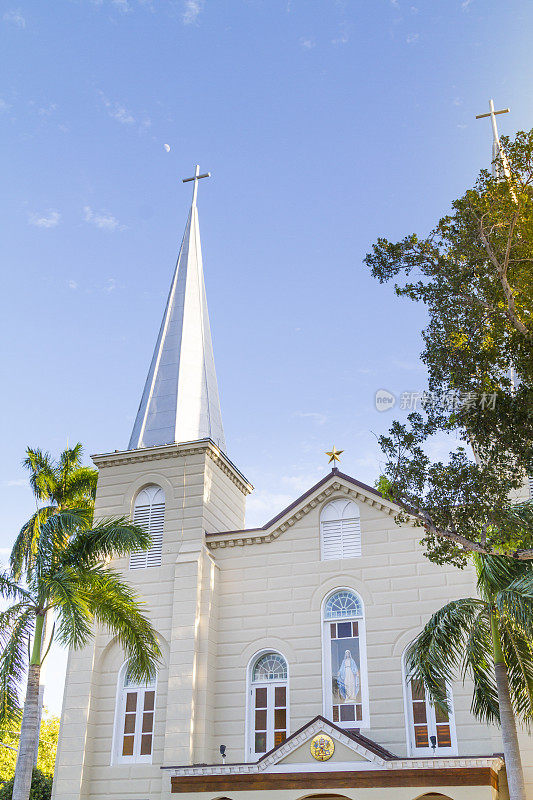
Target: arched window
345 673
340 530
430 731
149 514
268 717
134 720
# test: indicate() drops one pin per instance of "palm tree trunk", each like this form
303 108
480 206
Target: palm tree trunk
511 750
29 731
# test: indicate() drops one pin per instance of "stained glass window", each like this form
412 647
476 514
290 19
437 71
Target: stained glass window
270 667
344 659
343 604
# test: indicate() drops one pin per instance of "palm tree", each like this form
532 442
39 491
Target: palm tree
59 566
490 639
56 486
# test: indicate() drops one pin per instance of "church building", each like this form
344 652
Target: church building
282 675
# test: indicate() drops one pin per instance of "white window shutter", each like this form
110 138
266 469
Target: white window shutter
331 539
150 516
340 530
351 538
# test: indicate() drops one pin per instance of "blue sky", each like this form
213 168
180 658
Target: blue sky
325 124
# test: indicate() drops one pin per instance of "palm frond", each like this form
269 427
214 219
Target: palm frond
80 484
110 538
496 573
518 655
65 593
25 547
15 637
42 473
69 460
516 602
115 605
11 590
437 653
55 536
478 662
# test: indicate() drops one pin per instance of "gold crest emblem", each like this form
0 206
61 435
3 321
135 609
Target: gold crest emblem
322 747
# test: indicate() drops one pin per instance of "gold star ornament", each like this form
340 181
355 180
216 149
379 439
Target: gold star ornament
334 455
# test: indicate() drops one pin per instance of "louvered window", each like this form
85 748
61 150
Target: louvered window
149 514
340 530
531 486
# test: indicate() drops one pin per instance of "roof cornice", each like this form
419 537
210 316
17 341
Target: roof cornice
181 450
333 482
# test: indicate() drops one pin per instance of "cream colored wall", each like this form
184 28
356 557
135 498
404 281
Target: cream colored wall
271 595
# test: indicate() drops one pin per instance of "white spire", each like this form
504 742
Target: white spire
180 400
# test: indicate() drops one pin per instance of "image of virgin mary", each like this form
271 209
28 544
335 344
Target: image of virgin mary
348 678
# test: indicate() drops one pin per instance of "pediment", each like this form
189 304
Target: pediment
350 748
334 483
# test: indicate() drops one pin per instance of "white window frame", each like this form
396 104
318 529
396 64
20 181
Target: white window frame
143 559
349 530
327 694
118 727
251 685
413 751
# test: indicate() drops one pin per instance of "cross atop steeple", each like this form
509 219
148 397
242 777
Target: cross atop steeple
196 177
497 149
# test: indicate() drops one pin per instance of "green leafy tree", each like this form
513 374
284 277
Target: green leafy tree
59 567
48 736
474 273
489 639
41 787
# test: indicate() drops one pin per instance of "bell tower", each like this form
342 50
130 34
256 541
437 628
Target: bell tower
177 454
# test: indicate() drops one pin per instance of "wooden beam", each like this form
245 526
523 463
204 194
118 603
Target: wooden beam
369 779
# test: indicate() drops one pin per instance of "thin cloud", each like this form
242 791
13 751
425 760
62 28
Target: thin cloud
14 17
102 219
465 5
122 115
3 105
72 285
48 219
343 36
122 5
307 44
411 38
111 285
118 111
320 419
17 482
192 10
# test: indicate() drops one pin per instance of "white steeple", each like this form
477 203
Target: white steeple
180 401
